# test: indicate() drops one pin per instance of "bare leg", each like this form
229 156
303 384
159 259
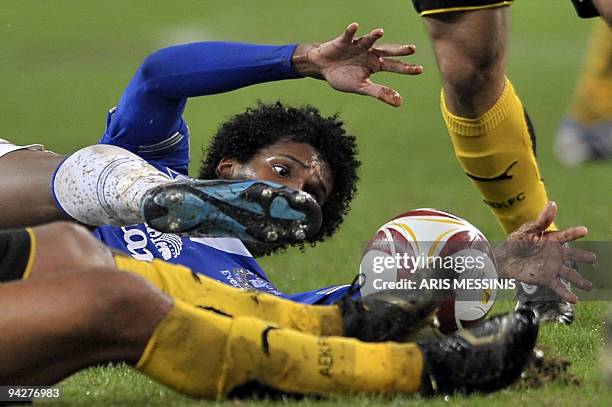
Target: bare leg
54 326
492 134
25 194
471 49
493 137
64 246
96 185
51 248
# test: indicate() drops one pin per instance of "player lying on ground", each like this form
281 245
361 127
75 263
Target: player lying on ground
547 276
66 316
148 122
297 148
492 133
294 147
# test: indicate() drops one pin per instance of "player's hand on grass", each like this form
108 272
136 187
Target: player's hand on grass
347 63
534 255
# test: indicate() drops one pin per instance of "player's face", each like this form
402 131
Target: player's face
293 164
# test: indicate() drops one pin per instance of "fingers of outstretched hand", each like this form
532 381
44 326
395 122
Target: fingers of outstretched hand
392 65
579 255
368 40
569 234
563 292
546 217
349 33
574 277
382 93
394 50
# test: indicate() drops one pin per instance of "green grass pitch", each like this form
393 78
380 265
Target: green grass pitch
65 63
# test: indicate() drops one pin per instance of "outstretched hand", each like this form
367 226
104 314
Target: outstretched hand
347 63
536 256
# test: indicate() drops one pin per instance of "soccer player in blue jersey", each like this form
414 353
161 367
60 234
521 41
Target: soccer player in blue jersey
306 160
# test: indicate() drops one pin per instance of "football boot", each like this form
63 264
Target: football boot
385 316
258 211
391 315
548 305
485 358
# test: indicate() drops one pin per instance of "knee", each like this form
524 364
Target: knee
473 82
67 245
470 50
83 247
473 73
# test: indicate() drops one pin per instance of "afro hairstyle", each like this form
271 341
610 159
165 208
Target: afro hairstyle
245 134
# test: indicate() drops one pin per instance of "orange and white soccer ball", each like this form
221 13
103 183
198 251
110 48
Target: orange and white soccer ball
417 239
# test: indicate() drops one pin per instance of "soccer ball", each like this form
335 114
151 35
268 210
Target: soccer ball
430 238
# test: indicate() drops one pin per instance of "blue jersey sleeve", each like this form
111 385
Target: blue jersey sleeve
148 118
322 296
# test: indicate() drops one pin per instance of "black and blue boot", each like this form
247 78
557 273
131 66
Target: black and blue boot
258 211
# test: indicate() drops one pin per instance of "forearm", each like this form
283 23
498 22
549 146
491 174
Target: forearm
149 112
206 68
151 107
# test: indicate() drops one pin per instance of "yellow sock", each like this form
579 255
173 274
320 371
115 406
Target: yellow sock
207 293
495 150
204 354
593 96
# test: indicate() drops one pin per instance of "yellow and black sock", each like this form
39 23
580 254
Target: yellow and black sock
207 293
208 355
497 152
592 100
